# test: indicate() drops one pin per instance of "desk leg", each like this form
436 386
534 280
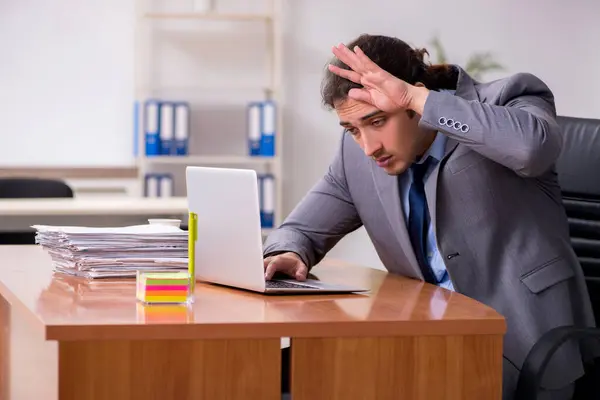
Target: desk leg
4 349
170 369
416 368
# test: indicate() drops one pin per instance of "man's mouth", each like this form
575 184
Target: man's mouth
383 161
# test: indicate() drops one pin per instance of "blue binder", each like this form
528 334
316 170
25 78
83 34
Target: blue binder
152 127
167 127
182 128
254 128
267 200
268 128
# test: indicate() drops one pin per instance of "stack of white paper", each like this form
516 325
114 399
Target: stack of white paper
114 252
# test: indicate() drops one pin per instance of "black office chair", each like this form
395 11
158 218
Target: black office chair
22 188
579 175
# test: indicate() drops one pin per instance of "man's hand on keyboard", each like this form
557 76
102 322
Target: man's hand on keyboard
287 263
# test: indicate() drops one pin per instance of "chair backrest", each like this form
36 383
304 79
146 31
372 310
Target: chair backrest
20 188
579 161
23 188
578 169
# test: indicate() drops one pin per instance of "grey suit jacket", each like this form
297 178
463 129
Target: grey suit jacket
495 204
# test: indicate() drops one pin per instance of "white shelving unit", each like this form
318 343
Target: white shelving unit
212 160
145 87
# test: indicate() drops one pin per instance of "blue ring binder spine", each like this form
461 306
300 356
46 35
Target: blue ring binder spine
152 136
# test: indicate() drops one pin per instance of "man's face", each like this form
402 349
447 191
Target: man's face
393 140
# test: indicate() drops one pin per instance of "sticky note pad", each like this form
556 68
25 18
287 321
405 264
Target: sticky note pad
163 287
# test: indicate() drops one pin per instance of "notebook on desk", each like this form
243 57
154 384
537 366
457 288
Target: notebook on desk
227 241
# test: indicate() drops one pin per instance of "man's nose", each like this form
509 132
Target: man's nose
371 147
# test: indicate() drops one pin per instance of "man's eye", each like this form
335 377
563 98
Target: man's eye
378 122
351 131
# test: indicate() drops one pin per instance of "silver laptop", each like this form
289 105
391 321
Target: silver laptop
229 246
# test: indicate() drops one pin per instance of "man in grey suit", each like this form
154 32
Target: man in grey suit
454 182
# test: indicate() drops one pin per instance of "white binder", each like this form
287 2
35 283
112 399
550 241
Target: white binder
182 128
267 200
166 186
151 186
254 127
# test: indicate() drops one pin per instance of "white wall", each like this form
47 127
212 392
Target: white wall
71 62
66 72
551 38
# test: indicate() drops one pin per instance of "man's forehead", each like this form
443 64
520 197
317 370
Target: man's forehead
353 111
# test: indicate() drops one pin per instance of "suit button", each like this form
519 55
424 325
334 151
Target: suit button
464 128
442 121
457 125
449 122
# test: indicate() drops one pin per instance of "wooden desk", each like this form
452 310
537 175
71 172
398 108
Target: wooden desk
70 339
20 214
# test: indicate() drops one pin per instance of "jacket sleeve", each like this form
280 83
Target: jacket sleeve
321 219
520 132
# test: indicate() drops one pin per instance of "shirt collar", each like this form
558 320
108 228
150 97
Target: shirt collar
437 148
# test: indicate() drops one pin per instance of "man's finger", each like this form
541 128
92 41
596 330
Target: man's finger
270 270
348 57
355 62
266 261
345 73
365 60
301 272
360 95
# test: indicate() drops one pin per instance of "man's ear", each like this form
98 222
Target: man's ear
419 84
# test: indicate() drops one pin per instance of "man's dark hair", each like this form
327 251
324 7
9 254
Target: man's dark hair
394 56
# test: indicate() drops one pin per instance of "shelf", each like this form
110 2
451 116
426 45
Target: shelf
267 85
209 160
210 16
208 86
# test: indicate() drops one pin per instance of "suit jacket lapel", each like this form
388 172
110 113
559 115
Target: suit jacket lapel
432 182
389 194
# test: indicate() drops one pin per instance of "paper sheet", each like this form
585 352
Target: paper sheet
94 252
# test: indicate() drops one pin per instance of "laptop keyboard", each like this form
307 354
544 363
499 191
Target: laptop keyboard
287 285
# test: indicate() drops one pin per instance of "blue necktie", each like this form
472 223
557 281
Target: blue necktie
418 220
